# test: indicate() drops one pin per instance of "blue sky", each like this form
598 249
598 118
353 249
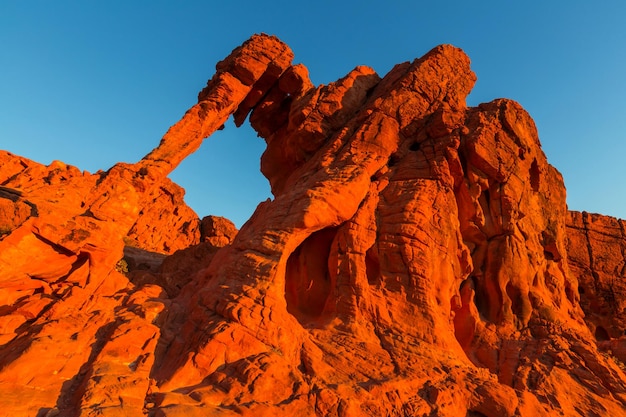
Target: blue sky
93 83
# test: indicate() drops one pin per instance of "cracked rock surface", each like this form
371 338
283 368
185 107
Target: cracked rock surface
417 259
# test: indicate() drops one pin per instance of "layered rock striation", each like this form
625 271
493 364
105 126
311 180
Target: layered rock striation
417 259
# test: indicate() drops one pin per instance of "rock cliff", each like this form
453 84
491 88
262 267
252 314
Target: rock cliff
417 259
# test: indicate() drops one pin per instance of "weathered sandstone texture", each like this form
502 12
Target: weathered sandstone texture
596 250
417 259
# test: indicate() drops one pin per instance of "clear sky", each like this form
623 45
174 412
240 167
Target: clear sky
93 83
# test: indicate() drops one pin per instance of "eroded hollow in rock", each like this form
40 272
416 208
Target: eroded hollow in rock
601 334
372 266
535 175
308 281
464 320
488 298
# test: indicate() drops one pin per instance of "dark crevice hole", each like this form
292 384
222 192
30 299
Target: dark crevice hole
534 176
415 146
601 334
480 299
393 160
307 277
372 266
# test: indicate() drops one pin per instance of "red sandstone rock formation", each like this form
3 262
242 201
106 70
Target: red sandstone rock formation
596 249
417 259
163 224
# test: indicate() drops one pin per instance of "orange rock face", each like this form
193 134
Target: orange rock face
417 259
596 248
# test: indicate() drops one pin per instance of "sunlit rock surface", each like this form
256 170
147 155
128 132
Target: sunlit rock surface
417 259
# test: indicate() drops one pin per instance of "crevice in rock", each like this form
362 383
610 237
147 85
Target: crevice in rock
592 268
393 160
535 175
372 266
471 413
481 299
484 199
464 320
622 231
549 243
601 334
307 276
520 306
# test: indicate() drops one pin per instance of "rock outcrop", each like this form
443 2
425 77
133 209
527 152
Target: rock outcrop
163 224
417 259
596 249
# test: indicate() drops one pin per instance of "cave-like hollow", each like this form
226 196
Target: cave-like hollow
308 283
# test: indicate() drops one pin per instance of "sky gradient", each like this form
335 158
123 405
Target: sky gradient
95 83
